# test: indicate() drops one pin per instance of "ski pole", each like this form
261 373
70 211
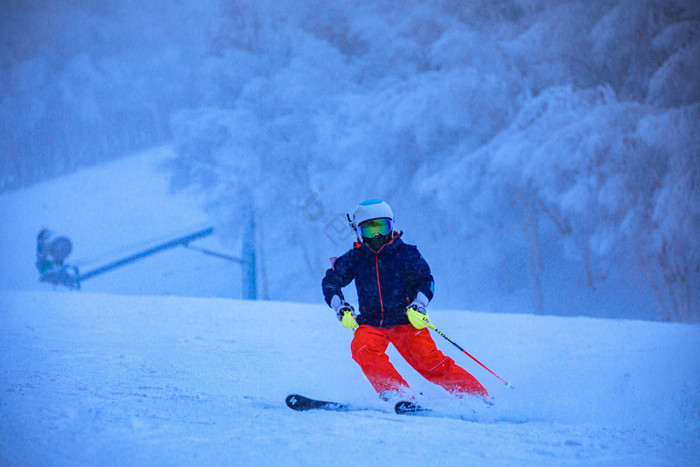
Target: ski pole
432 326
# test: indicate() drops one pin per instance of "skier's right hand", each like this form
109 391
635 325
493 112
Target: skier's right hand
348 319
345 312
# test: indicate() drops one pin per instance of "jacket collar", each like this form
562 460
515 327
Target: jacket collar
392 244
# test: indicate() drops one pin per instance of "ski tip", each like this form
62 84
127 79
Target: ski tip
408 407
292 400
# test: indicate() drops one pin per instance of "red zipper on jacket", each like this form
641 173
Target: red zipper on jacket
379 287
376 268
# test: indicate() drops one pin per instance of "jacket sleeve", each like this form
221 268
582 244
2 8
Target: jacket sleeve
337 277
418 274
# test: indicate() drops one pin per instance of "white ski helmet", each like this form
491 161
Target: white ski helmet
371 209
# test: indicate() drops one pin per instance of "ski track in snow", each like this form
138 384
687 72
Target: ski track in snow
126 372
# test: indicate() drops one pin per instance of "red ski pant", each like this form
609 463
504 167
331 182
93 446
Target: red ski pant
418 348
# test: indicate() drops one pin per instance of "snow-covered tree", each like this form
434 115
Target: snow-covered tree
542 154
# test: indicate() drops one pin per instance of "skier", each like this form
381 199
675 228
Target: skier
394 286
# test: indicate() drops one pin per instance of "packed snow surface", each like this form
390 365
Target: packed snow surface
131 371
122 380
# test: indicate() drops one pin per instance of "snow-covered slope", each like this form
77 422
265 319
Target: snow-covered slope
108 212
114 380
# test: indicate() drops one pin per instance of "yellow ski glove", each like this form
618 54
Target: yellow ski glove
344 311
418 317
348 320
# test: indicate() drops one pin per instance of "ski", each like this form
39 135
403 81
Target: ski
410 408
302 404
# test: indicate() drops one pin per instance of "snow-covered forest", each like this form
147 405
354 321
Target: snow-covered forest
543 155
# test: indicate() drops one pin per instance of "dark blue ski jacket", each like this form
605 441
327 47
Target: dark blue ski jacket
387 281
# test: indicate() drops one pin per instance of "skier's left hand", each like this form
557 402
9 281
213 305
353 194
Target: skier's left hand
417 316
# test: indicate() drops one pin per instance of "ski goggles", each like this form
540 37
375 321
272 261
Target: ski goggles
369 229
